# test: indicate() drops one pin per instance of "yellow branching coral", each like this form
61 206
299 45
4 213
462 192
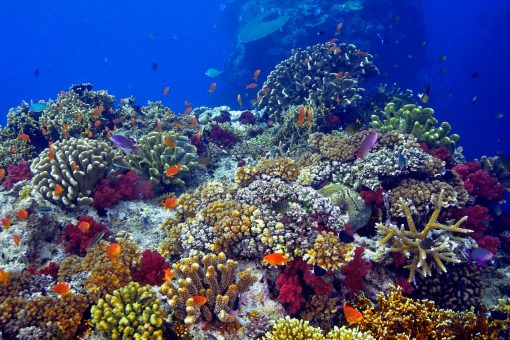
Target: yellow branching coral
131 312
329 252
284 168
214 277
420 246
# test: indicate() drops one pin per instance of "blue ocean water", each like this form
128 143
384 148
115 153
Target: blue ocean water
49 45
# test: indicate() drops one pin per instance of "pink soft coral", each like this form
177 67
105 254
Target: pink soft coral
129 186
151 270
75 241
479 182
17 173
355 271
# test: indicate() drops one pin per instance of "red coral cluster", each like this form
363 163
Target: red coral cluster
222 137
479 182
356 271
151 270
478 220
292 281
125 187
373 197
51 269
441 152
17 173
75 241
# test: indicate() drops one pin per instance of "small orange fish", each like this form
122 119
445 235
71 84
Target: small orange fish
58 190
187 111
113 251
338 50
79 118
212 88
166 90
198 135
173 170
275 259
301 116
187 103
169 142
24 137
334 40
352 315
170 203
22 214
97 123
256 75
169 275
84 226
309 116
97 111
251 86
90 134
51 151
43 130
17 239
265 89
194 123
199 300
158 125
14 149
74 166
4 277
338 28
239 100
6 222
61 288
2 174
132 121
361 54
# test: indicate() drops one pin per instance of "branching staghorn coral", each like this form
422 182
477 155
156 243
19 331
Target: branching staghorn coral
433 244
213 276
76 165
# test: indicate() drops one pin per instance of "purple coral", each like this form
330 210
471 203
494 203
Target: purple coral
222 137
17 173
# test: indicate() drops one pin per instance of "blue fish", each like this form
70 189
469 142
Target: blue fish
212 72
37 107
43 210
146 223
402 162
480 255
125 143
345 237
317 11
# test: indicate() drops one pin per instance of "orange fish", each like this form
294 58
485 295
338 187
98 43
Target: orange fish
169 275
58 190
97 111
22 214
158 125
24 137
4 277
43 130
166 90
334 40
251 86
17 239
256 75
51 151
275 259
84 226
239 100
61 288
97 123
6 222
169 142
212 88
187 103
173 170
352 315
338 50
194 123
361 54
74 166
265 89
187 111
309 116
113 251
79 118
198 135
132 121
338 28
90 134
2 174
301 116
170 203
199 300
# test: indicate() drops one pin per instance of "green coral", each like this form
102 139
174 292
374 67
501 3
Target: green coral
154 157
131 312
415 120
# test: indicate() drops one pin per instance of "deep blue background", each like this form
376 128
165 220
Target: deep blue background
112 44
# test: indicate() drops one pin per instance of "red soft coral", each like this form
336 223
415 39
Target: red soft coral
75 241
151 270
478 220
355 271
479 182
51 269
17 173
222 137
129 186
373 197
441 152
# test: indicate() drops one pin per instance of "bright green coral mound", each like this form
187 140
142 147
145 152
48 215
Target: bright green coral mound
418 121
158 151
131 312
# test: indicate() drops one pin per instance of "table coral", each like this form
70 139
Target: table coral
212 276
131 312
421 247
77 166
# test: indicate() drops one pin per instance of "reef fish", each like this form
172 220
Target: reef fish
338 28
17 239
6 222
61 288
2 174
480 255
275 259
58 190
402 162
256 75
125 143
43 210
239 100
113 251
212 72
169 275
173 170
212 87
4 277
22 214
251 86
199 300
352 315
301 116
37 107
84 226
170 203
425 96
24 136
367 144
166 90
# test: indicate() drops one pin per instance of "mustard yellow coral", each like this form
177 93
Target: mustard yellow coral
289 328
284 168
329 252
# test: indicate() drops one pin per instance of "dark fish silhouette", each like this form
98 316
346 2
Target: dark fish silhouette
154 66
37 73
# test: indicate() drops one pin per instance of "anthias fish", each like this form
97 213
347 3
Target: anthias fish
367 144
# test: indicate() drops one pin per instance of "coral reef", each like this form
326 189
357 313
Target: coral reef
478 182
356 271
76 241
151 270
17 173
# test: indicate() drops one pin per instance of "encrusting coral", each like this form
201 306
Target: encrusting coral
283 168
329 252
130 312
214 277
68 171
433 244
